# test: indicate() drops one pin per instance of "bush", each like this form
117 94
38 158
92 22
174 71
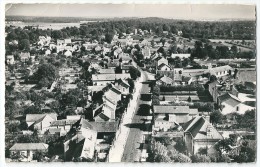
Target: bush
198 88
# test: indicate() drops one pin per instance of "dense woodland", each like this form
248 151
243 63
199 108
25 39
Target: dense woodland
191 29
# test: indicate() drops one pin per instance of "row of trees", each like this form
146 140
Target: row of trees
206 50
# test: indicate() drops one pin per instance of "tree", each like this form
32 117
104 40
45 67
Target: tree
160 153
163 98
134 73
216 117
131 84
24 45
56 34
45 75
246 155
180 145
235 73
38 155
162 51
163 40
109 37
197 158
212 78
159 30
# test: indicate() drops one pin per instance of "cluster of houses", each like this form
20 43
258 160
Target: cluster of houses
183 121
91 138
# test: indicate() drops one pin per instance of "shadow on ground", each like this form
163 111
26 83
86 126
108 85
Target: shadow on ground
144 110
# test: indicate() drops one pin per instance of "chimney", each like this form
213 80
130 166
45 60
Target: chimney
209 131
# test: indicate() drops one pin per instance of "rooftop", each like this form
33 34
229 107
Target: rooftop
171 109
29 146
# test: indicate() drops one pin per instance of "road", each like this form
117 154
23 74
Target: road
132 150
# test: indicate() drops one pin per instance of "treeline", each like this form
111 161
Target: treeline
206 50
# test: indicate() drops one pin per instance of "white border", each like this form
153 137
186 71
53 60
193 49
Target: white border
2 74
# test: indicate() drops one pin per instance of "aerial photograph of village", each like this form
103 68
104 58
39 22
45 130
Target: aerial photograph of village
132 83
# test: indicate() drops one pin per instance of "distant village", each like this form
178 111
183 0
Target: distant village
75 99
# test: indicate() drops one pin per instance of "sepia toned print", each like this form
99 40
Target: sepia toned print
130 83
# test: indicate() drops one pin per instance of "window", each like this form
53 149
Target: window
237 108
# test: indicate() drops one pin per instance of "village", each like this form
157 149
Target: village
134 97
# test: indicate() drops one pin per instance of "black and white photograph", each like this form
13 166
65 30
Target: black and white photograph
93 82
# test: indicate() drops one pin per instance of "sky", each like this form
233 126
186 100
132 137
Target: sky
175 11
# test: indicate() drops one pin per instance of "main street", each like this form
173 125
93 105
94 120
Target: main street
132 150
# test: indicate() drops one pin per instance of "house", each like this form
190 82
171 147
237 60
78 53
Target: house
104 79
113 94
146 52
199 133
82 143
181 56
179 33
106 71
60 42
105 50
213 90
186 80
105 112
160 61
165 81
164 67
123 86
24 56
10 59
27 150
40 122
165 32
47 52
66 87
168 116
113 63
144 42
68 53
88 138
64 125
124 57
232 104
178 73
125 68
67 41
219 71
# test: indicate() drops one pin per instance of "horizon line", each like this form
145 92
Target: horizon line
144 17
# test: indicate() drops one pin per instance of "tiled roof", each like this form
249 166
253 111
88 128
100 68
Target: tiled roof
105 126
166 80
161 65
171 109
36 117
109 77
103 116
95 88
106 71
219 69
229 99
63 122
198 128
29 146
123 83
99 126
